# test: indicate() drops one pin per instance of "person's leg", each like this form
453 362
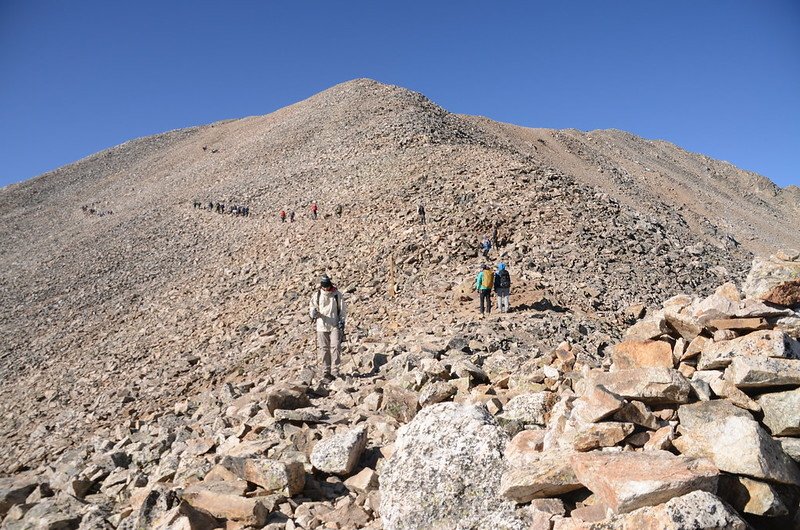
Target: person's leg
506 300
336 351
488 301
482 299
324 361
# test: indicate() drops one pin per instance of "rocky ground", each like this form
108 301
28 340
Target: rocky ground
146 352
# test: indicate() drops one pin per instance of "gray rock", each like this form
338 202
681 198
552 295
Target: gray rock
444 472
763 372
339 454
782 412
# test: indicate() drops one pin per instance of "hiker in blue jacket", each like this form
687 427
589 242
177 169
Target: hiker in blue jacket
502 287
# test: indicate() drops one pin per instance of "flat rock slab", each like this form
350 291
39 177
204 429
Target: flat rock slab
549 475
740 324
752 496
301 415
695 415
657 386
769 343
249 511
698 510
339 454
641 353
596 404
630 480
763 372
782 412
738 445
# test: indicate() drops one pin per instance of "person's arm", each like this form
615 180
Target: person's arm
478 281
342 308
313 311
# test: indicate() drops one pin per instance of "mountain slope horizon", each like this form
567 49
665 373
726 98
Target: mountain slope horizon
160 298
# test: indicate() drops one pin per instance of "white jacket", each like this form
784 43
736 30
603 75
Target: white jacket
328 314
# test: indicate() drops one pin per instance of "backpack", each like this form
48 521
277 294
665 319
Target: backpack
503 279
487 279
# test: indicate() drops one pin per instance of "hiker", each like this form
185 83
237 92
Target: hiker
210 205
314 210
338 210
291 216
502 287
486 246
421 212
328 311
483 284
283 216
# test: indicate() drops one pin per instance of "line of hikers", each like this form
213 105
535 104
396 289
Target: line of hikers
219 207
88 210
313 212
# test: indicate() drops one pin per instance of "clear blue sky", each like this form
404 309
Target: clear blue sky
717 77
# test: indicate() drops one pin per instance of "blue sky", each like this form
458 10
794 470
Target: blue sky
716 77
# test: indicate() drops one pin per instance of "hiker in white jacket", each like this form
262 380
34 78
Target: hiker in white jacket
327 309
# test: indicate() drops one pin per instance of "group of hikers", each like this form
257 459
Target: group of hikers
313 211
219 207
90 210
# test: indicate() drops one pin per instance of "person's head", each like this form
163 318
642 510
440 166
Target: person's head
325 282
485 267
501 266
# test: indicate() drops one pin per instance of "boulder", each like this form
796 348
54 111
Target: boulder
525 447
400 403
737 324
752 496
14 490
436 392
790 446
339 454
530 408
630 480
596 404
637 412
737 444
687 326
641 353
695 415
763 372
767 343
698 510
651 327
287 478
444 472
548 475
657 386
782 412
774 280
585 437
286 397
249 511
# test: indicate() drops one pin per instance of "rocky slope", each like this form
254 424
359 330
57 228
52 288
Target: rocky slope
114 321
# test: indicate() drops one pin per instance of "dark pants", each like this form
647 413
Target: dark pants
486 300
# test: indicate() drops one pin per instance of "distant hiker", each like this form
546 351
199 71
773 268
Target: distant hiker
291 216
283 216
210 205
421 213
314 210
483 284
222 208
338 210
486 246
328 311
502 287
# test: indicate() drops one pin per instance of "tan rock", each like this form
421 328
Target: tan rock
529 408
752 496
596 404
695 510
400 403
774 280
738 324
738 445
726 389
649 385
763 372
547 476
651 327
339 454
661 440
363 481
287 478
687 326
760 343
697 345
250 511
525 447
782 412
597 435
630 480
641 353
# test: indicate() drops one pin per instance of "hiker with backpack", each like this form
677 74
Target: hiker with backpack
327 309
484 282
338 210
283 216
486 246
502 287
314 210
421 213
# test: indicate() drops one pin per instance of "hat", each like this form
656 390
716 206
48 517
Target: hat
325 281
501 266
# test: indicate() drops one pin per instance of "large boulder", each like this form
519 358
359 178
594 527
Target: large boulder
642 353
287 478
445 472
630 480
529 408
775 279
738 445
547 475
